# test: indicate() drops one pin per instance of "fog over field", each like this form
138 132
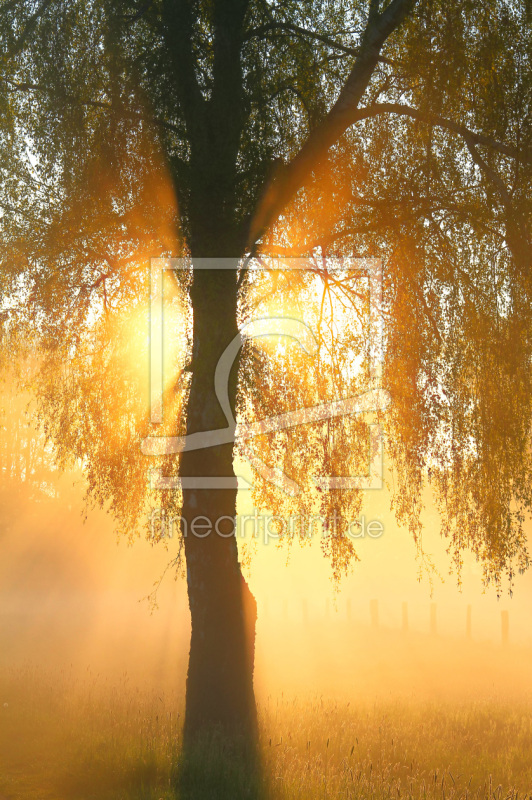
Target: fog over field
74 597
371 687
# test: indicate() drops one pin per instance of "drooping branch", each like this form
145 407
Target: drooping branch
490 173
289 27
71 100
345 113
281 191
517 230
441 122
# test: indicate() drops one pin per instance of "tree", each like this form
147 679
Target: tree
408 125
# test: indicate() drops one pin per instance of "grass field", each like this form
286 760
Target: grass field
62 737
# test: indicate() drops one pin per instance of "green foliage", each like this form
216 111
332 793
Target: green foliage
113 140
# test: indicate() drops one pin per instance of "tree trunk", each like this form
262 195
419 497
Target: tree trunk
223 611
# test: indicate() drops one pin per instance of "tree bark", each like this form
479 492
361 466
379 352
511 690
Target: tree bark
220 674
223 611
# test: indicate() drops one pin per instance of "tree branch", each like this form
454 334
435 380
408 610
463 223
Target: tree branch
490 173
68 99
290 27
517 233
418 291
441 122
280 192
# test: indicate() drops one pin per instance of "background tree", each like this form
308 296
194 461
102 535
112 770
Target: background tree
407 124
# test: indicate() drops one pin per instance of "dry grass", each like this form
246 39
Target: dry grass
62 737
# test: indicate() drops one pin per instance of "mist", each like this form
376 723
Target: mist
75 597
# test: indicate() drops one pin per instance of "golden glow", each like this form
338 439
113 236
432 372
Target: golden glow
72 592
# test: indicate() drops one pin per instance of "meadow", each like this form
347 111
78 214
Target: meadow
92 683
66 738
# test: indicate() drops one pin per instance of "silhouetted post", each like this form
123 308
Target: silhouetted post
405 617
433 626
374 613
304 606
469 629
505 627
348 609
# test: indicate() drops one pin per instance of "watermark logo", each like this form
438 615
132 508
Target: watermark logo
264 527
375 399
